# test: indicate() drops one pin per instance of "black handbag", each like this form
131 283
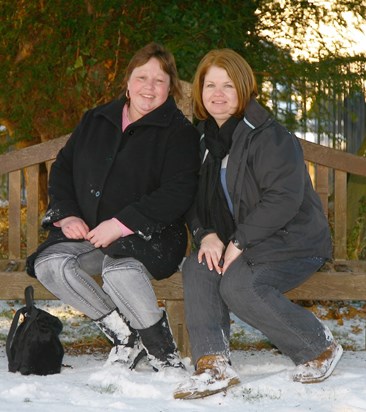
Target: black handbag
34 346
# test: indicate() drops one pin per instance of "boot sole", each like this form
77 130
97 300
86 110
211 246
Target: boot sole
208 392
337 357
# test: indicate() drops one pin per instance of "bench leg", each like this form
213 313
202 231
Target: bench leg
175 311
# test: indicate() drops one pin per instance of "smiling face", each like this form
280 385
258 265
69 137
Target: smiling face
219 95
148 87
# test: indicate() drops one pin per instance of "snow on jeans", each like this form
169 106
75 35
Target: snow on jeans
66 269
255 294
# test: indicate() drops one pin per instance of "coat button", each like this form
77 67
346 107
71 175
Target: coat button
131 132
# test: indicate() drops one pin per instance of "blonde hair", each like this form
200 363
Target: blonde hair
167 64
237 69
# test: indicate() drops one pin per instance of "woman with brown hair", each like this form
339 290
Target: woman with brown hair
118 192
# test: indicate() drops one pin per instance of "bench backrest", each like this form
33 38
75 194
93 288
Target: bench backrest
329 171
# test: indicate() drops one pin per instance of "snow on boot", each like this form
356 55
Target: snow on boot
127 348
129 356
319 368
161 349
213 374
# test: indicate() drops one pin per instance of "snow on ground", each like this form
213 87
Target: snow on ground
86 384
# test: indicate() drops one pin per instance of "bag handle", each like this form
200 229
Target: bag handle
13 328
29 309
29 297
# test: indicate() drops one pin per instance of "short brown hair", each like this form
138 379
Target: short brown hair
237 69
167 64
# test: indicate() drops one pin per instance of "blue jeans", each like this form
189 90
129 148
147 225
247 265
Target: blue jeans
66 270
255 294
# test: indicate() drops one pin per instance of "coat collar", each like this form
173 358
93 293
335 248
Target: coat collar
255 115
160 117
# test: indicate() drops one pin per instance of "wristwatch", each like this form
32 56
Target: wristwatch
236 244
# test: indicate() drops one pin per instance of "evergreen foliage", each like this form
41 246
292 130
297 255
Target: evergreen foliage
58 58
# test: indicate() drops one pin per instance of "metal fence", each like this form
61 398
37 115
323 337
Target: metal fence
326 106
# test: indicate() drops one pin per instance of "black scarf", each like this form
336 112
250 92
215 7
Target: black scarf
213 210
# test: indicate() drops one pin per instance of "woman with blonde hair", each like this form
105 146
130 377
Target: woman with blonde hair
259 230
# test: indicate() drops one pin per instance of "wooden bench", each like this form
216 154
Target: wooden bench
341 280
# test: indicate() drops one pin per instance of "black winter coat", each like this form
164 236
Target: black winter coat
146 177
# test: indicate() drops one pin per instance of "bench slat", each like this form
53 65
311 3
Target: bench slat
32 175
321 286
14 214
12 285
332 286
340 215
322 186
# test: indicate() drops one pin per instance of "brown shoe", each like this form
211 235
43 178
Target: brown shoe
320 368
213 374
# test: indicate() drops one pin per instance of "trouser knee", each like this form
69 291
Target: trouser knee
189 268
124 273
196 275
237 289
50 267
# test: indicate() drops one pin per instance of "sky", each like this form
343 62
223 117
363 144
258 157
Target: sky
87 384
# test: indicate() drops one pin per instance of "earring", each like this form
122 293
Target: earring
128 94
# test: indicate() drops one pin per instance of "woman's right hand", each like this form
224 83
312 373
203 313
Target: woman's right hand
212 249
73 227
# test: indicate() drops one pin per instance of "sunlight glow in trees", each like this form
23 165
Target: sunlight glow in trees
322 36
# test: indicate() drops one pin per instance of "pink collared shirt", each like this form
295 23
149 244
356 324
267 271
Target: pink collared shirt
125 120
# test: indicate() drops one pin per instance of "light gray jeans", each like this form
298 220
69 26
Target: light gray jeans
255 294
66 269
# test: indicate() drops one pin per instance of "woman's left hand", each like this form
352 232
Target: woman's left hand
211 249
104 234
231 253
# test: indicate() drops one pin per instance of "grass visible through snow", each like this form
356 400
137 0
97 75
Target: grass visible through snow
82 336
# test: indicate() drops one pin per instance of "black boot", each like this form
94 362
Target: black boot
127 348
161 349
